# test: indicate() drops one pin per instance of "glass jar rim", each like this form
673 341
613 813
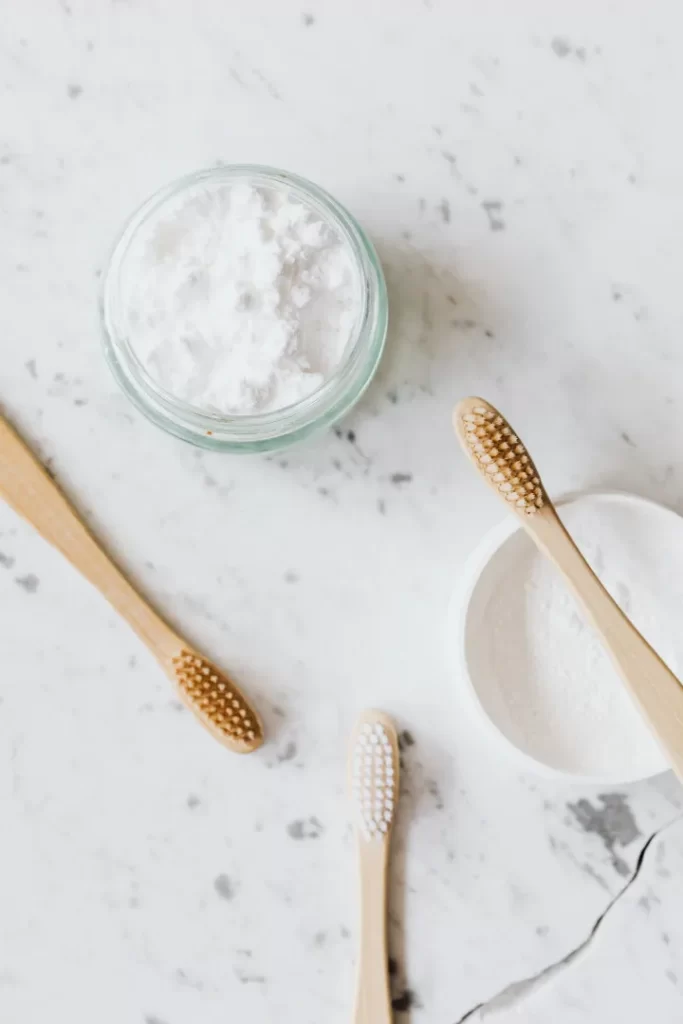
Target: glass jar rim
260 430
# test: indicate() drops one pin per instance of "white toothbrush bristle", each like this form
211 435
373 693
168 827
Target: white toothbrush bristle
374 780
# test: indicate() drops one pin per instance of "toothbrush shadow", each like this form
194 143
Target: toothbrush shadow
437 321
403 998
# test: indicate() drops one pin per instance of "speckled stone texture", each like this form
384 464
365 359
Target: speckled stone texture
521 172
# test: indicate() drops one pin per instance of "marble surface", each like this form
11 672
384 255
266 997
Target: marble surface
522 176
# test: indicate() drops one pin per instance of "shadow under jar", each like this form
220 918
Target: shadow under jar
163 236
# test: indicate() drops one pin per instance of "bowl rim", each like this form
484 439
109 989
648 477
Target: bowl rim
476 562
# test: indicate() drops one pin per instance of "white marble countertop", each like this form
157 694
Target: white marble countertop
522 176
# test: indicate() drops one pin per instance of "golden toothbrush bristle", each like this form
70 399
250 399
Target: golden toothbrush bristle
499 455
217 702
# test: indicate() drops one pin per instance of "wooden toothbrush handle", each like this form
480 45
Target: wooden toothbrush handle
654 688
27 488
373 1001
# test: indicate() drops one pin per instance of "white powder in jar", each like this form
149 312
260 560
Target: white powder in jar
540 671
240 298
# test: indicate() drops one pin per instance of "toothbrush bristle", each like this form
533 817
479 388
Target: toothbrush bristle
217 702
501 456
374 779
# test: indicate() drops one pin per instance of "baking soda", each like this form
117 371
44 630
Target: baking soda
539 669
240 298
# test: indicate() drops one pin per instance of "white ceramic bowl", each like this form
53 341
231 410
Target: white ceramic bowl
484 561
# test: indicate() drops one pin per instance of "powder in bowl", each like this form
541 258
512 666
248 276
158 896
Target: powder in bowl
539 671
239 297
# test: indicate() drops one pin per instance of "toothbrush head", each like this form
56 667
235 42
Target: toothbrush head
499 455
374 775
217 702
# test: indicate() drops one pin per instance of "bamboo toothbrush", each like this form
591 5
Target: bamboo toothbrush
374 781
505 464
215 700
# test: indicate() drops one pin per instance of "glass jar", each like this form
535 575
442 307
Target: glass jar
263 431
